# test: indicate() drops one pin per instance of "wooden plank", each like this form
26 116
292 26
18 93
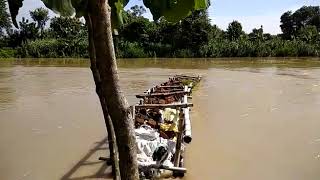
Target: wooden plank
150 106
173 86
167 90
156 166
181 79
161 94
173 83
187 77
184 75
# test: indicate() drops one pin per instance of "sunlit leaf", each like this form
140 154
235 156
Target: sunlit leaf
171 10
201 4
62 7
67 7
179 10
116 12
174 10
80 6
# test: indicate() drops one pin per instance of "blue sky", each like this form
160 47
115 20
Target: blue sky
251 13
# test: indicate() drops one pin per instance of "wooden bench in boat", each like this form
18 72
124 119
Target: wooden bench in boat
162 94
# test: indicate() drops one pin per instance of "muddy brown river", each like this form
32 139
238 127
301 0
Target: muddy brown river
252 119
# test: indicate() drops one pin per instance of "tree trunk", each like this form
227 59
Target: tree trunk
108 122
116 103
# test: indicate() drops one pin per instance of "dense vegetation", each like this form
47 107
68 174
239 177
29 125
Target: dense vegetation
139 37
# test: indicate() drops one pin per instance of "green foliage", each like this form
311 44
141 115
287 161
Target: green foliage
274 47
63 7
286 21
4 17
136 29
183 53
257 34
194 36
28 30
67 28
291 23
53 48
193 32
130 50
67 37
234 31
174 10
308 34
137 10
117 11
7 53
307 15
40 15
80 7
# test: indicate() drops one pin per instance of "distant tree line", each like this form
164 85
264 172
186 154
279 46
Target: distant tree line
139 37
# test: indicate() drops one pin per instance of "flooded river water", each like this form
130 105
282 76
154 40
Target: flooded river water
251 120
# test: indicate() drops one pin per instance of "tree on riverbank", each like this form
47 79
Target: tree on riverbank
40 15
292 23
234 31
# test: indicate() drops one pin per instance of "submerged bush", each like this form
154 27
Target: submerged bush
54 48
183 53
7 53
246 48
130 50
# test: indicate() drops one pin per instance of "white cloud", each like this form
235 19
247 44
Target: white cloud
29 5
269 20
270 23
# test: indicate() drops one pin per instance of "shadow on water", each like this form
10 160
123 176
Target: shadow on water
103 171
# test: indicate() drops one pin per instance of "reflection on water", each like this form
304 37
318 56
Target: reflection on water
251 120
6 92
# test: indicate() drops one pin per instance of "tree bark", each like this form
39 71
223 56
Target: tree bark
108 122
116 103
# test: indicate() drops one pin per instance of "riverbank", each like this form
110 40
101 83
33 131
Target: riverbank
172 63
219 49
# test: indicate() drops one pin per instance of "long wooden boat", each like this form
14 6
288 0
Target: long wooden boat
163 127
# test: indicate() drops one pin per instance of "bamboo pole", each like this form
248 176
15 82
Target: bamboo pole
159 166
173 86
133 109
187 138
178 143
